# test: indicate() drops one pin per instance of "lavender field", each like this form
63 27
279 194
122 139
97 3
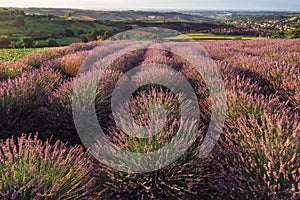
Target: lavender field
256 157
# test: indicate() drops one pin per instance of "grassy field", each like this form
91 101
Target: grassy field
206 36
64 41
70 29
40 28
42 25
16 54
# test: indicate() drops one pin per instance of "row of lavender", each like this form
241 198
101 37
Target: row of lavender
256 157
274 62
261 144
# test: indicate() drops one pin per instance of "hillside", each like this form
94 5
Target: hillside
79 25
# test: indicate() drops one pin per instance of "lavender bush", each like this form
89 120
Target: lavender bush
188 177
72 48
20 99
71 63
32 169
12 69
37 59
275 61
258 154
139 107
58 110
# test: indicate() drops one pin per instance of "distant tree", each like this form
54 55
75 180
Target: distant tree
52 42
96 35
69 33
278 34
297 33
27 42
92 36
294 33
4 41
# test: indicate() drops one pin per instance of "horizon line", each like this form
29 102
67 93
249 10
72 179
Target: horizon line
154 9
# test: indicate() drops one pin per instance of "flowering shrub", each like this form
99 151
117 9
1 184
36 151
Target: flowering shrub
37 59
21 97
258 153
58 110
56 65
31 169
140 110
12 69
72 48
275 61
118 55
71 63
127 61
185 178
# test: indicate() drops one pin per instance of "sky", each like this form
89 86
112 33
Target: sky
286 5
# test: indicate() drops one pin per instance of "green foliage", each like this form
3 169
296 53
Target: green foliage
69 33
95 35
294 33
278 34
107 35
27 42
80 32
16 54
4 41
52 42
84 37
6 12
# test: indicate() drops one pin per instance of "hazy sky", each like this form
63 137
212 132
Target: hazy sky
291 5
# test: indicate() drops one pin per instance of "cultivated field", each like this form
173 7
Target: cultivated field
256 157
206 36
16 54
